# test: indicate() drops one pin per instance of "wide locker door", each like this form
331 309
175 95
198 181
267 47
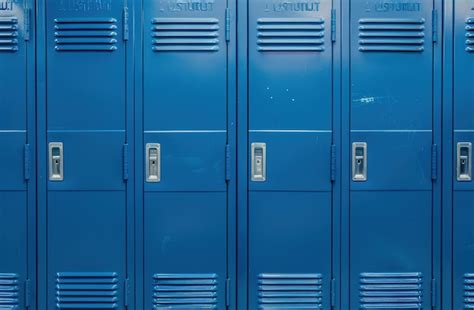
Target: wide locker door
185 134
290 141
392 129
463 198
16 145
86 153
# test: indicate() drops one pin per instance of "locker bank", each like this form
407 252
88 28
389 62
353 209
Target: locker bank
250 154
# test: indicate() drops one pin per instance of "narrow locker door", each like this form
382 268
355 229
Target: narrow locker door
86 154
185 138
290 138
392 130
17 185
463 198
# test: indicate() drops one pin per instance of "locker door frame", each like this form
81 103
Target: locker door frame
347 150
139 154
243 151
42 157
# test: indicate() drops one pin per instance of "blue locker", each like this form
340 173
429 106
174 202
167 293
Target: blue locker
290 142
463 137
186 135
17 140
394 133
85 132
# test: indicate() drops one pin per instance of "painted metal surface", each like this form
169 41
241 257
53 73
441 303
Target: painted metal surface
17 155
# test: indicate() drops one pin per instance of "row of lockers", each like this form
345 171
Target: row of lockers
213 154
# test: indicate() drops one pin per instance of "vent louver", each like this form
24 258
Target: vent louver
185 34
8 34
470 35
290 34
85 34
391 290
87 290
469 291
185 291
391 35
9 291
290 291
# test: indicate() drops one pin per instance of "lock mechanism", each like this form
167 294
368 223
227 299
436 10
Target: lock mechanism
259 153
359 161
56 161
464 162
153 163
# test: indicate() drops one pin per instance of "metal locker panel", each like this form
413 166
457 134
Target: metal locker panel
86 161
463 139
393 154
186 107
290 136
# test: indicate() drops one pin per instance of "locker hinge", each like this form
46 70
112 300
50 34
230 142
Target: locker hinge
227 24
333 163
333 25
125 24
227 292
435 25
434 162
333 293
227 162
27 162
126 160
27 24
434 290
27 293
127 292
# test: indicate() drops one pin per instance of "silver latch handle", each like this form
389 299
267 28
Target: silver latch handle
259 154
153 162
56 161
464 162
359 161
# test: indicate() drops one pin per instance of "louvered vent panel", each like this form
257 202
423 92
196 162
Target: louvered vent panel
185 34
290 291
8 34
391 290
469 291
87 290
185 291
9 291
470 35
391 35
85 34
290 34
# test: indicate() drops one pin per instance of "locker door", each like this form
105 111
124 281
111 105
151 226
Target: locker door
392 129
185 136
463 199
17 186
290 138
86 153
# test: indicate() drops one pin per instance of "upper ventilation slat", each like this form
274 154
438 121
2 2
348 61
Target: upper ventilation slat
8 34
9 291
391 35
470 35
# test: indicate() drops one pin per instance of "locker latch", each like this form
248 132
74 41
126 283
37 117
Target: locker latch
56 161
359 161
464 162
259 154
153 162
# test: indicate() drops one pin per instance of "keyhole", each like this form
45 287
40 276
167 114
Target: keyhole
463 161
359 161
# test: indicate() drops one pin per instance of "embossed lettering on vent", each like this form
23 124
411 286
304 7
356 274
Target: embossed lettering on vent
290 291
8 291
470 35
87 290
8 34
290 34
85 34
391 290
391 35
185 291
469 291
185 34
